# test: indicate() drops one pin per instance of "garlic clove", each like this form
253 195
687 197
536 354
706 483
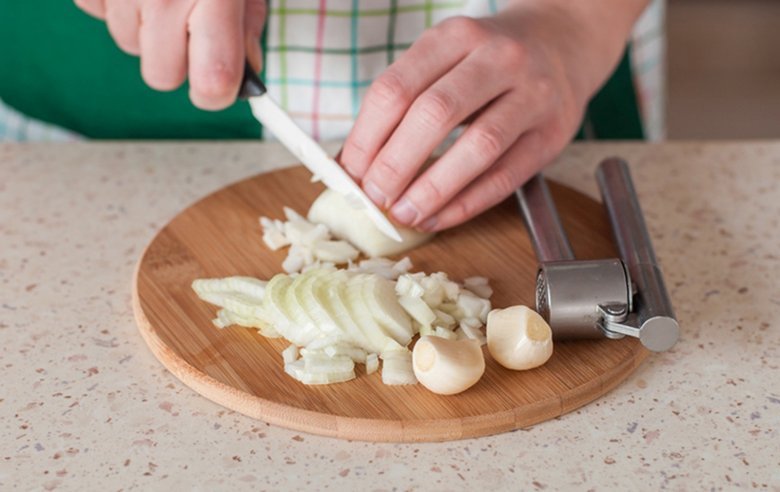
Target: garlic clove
446 366
518 338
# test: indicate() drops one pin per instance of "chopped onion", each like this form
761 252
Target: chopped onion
479 286
309 242
340 349
379 297
472 331
328 292
418 310
298 371
408 286
249 286
274 306
397 368
471 306
335 251
227 318
433 291
290 354
443 319
335 317
372 363
273 233
444 333
319 363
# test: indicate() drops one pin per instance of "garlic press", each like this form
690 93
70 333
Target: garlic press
610 298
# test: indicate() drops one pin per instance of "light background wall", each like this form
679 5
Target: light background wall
723 69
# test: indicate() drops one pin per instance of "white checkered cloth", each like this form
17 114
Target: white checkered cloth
322 56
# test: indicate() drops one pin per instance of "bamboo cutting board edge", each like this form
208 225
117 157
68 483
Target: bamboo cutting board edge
371 429
366 429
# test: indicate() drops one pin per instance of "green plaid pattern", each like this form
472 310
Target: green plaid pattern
321 56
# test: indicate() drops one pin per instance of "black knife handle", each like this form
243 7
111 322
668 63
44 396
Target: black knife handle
251 85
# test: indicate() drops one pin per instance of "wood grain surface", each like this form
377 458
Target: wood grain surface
236 367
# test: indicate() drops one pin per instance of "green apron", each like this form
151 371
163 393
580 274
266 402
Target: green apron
59 65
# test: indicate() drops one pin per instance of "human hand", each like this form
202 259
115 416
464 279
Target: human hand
521 79
205 40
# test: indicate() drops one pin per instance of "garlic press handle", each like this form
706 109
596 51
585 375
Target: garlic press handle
656 325
543 222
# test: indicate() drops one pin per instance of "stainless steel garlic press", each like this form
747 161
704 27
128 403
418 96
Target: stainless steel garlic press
608 298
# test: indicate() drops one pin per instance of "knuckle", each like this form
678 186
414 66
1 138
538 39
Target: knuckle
388 90
158 6
216 81
511 52
464 210
488 140
544 88
430 194
354 157
504 183
437 107
354 149
463 27
387 172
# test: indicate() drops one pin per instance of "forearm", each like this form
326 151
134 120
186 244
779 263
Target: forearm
588 37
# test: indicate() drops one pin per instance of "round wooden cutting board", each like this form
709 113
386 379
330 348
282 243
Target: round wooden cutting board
236 367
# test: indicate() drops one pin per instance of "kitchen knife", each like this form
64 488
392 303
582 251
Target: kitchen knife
308 151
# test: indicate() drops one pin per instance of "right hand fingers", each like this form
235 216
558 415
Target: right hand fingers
254 20
124 19
207 38
216 52
434 114
163 43
391 95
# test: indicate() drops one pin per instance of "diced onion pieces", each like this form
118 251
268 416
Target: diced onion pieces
309 243
290 354
338 317
439 305
241 301
372 363
479 286
418 310
397 368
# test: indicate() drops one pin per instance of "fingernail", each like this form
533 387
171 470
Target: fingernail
374 193
404 211
428 225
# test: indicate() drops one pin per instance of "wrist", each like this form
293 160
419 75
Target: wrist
587 39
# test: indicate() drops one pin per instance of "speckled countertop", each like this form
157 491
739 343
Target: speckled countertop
85 406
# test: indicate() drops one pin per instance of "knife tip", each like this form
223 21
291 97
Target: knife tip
393 234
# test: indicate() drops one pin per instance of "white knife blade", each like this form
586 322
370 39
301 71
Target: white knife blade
316 160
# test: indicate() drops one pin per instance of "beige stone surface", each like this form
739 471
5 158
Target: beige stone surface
85 406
